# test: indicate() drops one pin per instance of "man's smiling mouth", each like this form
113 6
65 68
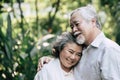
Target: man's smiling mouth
77 33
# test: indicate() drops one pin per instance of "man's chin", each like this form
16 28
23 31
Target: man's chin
80 41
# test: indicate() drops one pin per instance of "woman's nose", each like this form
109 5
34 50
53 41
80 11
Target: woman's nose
72 56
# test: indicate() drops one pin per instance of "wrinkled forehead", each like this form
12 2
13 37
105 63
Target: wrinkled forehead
75 13
86 13
73 46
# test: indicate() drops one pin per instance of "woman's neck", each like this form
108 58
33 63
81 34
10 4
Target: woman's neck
66 69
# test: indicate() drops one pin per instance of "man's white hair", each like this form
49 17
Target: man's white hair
88 12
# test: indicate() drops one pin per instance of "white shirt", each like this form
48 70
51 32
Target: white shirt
53 71
100 61
68 75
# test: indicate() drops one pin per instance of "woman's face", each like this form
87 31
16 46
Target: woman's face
70 56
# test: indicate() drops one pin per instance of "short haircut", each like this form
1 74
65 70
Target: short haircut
61 41
88 12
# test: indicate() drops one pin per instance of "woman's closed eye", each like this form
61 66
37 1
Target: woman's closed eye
70 51
79 54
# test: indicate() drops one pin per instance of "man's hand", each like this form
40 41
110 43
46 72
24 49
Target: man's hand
42 61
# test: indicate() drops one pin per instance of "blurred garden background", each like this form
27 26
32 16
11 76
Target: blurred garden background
28 27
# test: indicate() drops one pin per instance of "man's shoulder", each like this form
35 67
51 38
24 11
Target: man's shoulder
110 46
110 43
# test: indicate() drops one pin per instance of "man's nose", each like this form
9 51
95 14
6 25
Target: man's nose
74 29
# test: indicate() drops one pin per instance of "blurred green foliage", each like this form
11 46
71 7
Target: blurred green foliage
29 27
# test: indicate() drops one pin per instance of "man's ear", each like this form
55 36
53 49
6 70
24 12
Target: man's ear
93 21
53 50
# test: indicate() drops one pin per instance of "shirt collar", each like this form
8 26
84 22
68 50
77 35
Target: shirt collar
98 40
68 73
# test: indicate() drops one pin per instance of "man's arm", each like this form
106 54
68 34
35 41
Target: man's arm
43 60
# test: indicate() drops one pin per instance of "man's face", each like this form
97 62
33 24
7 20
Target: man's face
80 27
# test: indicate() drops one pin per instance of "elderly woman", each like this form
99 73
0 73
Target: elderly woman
67 54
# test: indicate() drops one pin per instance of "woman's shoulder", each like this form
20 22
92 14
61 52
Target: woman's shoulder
50 71
48 67
51 65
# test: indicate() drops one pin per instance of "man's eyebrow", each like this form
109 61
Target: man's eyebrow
76 21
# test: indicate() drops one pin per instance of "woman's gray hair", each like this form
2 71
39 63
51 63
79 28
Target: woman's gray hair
61 42
88 12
